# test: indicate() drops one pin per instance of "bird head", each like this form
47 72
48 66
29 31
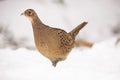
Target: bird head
30 14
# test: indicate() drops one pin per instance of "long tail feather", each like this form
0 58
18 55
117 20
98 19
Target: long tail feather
76 30
83 43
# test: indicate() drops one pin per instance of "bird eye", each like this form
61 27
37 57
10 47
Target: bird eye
30 13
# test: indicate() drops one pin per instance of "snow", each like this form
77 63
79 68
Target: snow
101 62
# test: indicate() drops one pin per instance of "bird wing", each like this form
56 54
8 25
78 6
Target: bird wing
65 40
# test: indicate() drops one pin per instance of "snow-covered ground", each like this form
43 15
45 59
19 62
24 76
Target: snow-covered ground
101 62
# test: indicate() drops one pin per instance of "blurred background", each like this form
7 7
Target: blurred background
103 17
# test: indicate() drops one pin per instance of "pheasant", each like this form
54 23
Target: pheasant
53 43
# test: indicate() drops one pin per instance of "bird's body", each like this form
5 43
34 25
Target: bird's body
53 43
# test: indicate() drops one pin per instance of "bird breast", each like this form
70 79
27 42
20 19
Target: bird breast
52 42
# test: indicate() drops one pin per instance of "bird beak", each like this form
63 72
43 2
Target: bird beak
22 14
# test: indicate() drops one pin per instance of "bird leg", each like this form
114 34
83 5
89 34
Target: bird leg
54 63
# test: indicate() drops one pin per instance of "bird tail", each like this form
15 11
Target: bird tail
76 30
83 43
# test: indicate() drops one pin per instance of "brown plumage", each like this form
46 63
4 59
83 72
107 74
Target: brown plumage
83 43
53 43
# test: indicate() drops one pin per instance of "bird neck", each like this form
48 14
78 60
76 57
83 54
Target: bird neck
36 22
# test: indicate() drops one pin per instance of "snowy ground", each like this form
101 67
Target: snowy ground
101 62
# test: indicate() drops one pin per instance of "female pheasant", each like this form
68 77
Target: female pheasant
53 43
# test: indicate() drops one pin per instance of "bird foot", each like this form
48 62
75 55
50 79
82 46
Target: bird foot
54 63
